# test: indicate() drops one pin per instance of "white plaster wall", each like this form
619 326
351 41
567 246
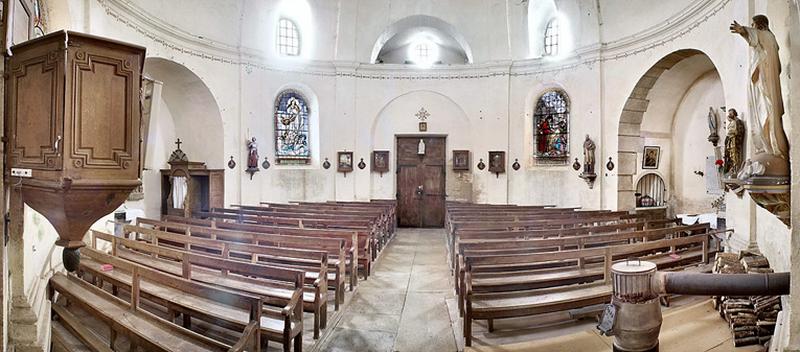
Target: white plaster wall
42 256
691 146
398 117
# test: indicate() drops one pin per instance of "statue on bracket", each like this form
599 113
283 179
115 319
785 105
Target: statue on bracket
252 157
588 173
766 175
713 123
734 145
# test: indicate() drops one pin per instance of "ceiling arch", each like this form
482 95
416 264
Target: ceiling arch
402 32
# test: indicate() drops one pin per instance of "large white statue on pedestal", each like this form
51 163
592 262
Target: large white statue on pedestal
766 102
766 175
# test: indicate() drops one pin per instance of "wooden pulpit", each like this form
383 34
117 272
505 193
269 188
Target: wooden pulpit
72 128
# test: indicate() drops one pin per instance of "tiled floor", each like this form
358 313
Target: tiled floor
403 305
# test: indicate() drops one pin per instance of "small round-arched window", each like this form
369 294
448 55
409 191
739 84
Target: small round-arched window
551 38
288 38
650 191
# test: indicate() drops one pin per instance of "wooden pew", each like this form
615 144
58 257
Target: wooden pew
314 264
552 224
498 301
191 299
335 248
357 242
365 237
144 329
565 270
304 219
508 235
380 216
277 286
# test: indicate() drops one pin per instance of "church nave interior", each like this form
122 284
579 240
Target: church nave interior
400 175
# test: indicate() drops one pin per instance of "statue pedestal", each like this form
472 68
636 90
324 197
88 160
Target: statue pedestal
589 178
771 193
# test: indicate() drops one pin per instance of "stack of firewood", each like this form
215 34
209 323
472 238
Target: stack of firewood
751 319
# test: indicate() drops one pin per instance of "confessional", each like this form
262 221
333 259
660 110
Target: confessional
189 186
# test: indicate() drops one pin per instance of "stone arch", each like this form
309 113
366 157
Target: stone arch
630 123
183 107
447 117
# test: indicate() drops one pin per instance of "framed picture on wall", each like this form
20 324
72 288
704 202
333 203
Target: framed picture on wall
380 161
497 162
344 162
651 157
461 160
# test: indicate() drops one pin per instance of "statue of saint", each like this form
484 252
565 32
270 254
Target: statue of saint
588 155
713 136
252 158
734 144
766 102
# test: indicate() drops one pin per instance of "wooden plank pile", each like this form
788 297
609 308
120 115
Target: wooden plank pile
751 319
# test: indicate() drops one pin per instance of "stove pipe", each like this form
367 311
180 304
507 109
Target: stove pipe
634 315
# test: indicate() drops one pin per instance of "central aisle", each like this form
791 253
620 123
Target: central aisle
402 306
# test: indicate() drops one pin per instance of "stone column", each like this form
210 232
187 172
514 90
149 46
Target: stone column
793 308
752 243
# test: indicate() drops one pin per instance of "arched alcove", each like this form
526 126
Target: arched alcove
446 118
668 108
182 107
393 44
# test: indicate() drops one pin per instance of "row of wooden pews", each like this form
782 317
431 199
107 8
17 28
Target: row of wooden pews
290 259
513 261
372 223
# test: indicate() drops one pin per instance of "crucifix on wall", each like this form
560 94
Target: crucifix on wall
423 115
178 143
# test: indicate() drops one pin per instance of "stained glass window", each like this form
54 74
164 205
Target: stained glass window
551 126
551 38
291 128
288 38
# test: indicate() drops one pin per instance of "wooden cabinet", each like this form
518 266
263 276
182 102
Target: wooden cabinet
73 119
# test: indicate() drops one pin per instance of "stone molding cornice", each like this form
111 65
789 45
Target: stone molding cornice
682 23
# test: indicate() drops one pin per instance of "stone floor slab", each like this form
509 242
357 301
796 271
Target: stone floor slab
371 321
349 340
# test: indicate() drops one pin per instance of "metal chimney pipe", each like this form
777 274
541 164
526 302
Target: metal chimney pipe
634 316
772 284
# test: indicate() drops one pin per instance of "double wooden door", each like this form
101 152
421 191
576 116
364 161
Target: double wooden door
421 181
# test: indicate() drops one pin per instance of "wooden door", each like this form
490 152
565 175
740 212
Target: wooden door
421 182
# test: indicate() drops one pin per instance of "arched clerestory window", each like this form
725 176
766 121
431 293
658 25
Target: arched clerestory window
288 38
551 127
551 34
292 130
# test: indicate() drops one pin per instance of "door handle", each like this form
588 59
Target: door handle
420 190
56 145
